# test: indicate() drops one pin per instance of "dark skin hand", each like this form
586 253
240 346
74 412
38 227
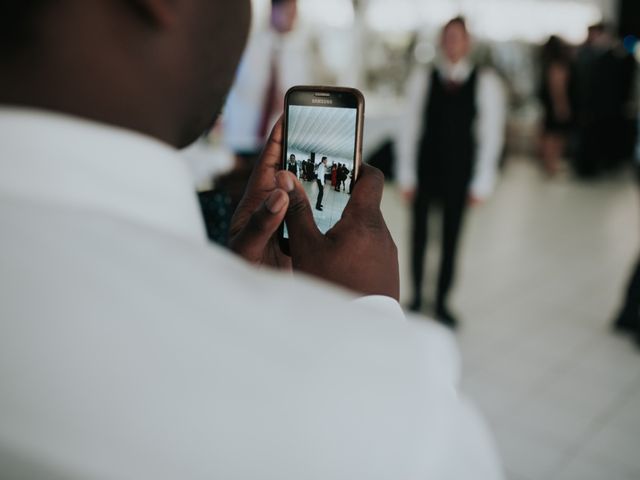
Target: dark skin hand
358 253
253 232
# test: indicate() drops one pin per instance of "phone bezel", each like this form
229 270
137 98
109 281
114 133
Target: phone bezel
348 98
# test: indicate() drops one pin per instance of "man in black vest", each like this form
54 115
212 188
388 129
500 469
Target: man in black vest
449 152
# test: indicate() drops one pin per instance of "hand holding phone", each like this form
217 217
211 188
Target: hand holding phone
254 226
334 228
322 148
358 252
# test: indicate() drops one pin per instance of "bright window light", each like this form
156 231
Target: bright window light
498 20
331 13
326 13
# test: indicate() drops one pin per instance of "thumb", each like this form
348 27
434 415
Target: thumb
299 218
252 240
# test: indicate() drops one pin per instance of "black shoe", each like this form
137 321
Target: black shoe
416 305
444 316
624 323
319 208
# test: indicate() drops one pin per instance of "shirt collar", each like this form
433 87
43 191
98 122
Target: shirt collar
455 72
80 164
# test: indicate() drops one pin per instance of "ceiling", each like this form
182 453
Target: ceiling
324 130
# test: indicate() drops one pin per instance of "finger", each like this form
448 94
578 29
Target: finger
262 180
252 240
271 157
367 191
300 223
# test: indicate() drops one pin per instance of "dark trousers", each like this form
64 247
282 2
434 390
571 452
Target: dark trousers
320 192
453 209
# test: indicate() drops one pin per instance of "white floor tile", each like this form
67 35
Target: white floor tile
616 446
529 455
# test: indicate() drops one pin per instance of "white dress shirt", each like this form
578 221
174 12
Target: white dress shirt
130 348
321 171
489 128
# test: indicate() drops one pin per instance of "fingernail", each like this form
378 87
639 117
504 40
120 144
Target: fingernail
275 202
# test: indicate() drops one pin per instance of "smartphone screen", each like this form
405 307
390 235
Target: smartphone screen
323 137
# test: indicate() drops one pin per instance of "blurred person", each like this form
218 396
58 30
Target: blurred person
309 170
449 152
254 104
606 125
343 173
321 171
131 348
292 165
276 58
628 318
334 175
556 99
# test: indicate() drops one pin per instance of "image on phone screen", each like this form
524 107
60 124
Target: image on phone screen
321 152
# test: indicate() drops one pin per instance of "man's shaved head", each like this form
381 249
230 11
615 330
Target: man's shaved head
161 67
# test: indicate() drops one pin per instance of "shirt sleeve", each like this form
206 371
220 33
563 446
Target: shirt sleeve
468 447
490 129
410 128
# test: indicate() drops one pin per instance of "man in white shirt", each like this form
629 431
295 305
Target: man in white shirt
321 171
276 58
449 152
132 349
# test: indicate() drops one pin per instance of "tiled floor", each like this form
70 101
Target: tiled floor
542 269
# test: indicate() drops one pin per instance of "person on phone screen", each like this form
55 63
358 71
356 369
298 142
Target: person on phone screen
321 171
292 165
449 152
133 348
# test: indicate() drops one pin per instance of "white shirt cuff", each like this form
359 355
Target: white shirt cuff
382 304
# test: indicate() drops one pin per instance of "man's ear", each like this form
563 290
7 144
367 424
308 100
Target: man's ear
156 13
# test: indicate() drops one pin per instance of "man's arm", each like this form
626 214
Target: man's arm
490 130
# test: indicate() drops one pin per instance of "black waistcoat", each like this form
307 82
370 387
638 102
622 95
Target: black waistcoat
447 147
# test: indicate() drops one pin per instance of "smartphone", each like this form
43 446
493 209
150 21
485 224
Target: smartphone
322 146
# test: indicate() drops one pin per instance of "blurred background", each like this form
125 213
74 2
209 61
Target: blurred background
545 289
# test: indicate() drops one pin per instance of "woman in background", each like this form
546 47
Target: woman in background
555 88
